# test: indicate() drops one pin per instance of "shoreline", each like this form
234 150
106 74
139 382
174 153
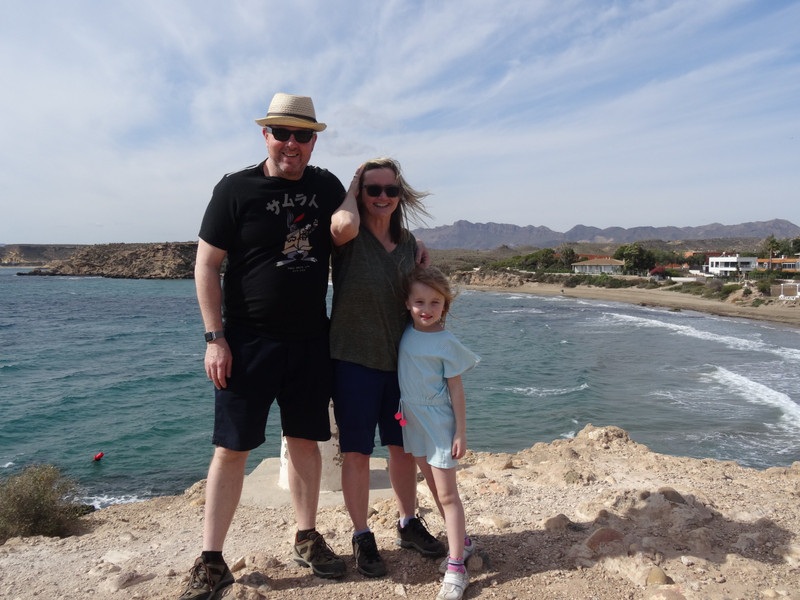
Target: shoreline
782 313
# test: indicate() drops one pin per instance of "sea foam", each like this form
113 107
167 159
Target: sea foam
535 392
758 393
735 343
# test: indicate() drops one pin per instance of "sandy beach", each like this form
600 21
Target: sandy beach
785 312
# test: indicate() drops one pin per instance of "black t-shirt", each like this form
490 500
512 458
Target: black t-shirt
277 235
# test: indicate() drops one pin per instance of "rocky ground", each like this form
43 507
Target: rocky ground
595 517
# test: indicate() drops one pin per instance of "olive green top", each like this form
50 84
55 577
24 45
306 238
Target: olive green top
368 314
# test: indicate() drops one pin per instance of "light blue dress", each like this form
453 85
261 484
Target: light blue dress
425 361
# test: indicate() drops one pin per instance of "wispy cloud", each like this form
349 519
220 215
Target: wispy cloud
118 118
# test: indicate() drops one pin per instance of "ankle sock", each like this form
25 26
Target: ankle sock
456 564
302 535
405 521
211 556
358 533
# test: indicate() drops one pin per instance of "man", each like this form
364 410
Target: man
274 222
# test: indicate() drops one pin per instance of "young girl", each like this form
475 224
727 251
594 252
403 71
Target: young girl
432 409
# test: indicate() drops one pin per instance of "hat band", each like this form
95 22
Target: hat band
293 115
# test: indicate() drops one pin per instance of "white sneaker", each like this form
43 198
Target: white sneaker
453 586
468 551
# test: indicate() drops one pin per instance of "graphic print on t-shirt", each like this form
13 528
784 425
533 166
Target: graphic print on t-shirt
298 246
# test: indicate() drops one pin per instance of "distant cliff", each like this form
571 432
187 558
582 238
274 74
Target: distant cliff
487 236
34 255
168 260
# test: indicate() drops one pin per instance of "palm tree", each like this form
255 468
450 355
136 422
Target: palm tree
771 245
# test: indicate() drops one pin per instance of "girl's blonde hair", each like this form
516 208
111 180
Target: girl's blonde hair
433 278
409 207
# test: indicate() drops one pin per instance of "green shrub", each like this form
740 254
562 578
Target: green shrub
691 287
37 501
728 289
652 285
758 302
747 291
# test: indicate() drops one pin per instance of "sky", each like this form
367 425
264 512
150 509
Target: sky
118 118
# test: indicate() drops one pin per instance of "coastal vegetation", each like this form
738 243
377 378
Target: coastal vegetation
38 501
639 257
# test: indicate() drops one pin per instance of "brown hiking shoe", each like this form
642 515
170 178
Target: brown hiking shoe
315 553
208 581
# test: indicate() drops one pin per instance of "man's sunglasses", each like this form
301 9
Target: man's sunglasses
391 191
301 136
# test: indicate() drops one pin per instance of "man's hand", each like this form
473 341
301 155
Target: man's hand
218 362
423 258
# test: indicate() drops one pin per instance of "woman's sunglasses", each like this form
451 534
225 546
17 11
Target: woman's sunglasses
391 191
301 136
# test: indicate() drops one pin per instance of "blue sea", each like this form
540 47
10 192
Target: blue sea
91 365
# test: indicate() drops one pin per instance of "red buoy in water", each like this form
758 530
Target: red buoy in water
98 456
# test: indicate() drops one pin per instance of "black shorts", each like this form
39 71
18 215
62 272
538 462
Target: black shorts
364 398
295 373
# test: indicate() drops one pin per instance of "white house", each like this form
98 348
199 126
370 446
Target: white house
730 265
598 266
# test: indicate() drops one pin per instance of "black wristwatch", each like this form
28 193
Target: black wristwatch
213 335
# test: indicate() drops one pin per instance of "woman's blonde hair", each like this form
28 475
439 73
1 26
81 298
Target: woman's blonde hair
433 278
409 207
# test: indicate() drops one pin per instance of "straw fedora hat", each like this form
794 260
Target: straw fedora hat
294 111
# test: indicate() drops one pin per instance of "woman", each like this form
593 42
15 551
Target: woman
368 318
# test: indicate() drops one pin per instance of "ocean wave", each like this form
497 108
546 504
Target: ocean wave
593 303
512 311
758 393
745 449
533 392
8 465
666 394
732 342
568 435
509 296
103 501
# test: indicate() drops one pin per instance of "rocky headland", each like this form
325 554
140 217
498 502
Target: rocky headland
35 255
598 516
168 260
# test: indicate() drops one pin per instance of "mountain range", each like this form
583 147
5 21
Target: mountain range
488 236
